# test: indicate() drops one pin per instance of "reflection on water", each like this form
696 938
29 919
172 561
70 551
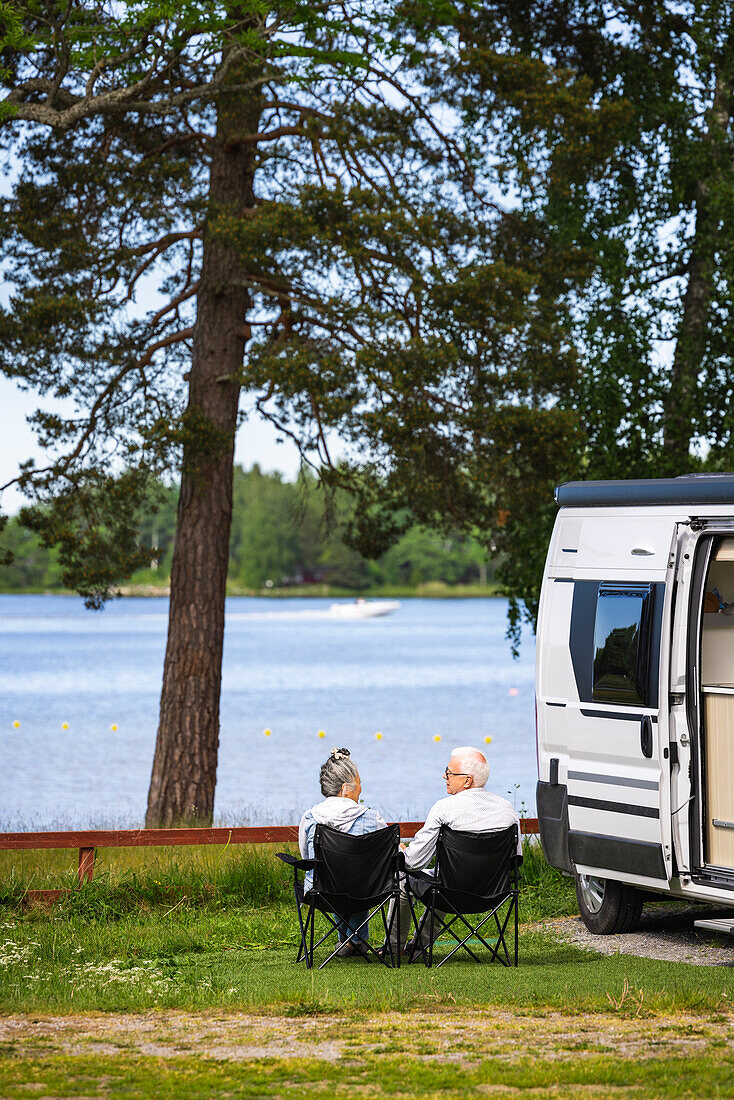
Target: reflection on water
434 667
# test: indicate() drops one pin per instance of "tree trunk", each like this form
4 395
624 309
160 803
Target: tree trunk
680 412
185 764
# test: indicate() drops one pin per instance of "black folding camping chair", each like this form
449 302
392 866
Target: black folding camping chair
352 874
475 873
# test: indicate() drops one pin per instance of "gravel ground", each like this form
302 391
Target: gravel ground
665 932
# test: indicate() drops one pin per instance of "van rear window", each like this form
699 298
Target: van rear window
621 644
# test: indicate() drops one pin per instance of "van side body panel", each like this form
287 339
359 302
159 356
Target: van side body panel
599 797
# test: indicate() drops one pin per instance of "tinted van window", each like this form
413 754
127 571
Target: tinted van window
621 644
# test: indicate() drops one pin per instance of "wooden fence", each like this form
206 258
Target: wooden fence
88 841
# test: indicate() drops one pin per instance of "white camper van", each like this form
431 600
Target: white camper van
635 694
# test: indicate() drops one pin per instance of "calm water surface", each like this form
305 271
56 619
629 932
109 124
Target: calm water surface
434 667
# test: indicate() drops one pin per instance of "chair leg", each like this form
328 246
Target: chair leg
329 932
417 940
501 936
388 924
396 913
431 923
309 964
517 921
334 928
447 926
501 932
378 908
303 952
302 948
473 931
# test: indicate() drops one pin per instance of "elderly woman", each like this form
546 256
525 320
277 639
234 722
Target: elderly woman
341 809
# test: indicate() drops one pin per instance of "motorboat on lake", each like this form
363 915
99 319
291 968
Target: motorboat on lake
363 609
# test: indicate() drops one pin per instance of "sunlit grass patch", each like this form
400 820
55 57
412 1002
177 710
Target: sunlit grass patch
123 1076
189 958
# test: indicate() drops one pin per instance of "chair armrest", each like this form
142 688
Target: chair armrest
299 864
421 876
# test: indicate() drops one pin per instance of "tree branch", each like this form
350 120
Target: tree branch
157 248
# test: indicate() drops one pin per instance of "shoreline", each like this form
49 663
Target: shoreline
324 592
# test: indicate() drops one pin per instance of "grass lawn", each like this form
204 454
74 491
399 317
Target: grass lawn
189 960
706 1074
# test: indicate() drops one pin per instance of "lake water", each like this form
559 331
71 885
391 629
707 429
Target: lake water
432 668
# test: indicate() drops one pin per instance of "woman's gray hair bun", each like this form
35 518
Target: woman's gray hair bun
337 772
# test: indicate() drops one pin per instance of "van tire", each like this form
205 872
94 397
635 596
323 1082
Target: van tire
607 906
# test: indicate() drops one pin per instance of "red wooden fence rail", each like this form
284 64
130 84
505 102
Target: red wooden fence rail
87 841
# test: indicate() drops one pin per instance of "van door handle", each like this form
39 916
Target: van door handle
646 736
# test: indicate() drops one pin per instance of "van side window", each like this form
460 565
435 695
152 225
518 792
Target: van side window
622 644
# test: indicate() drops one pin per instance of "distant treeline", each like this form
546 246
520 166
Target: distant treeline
280 538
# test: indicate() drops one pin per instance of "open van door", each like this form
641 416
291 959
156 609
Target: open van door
701 703
685 663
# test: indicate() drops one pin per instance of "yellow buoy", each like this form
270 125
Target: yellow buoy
437 737
16 724
378 737
487 740
64 725
267 732
113 727
322 733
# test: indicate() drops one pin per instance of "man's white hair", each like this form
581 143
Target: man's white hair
472 762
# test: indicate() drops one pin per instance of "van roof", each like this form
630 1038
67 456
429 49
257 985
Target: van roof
689 489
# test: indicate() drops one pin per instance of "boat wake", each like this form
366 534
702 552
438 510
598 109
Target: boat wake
355 609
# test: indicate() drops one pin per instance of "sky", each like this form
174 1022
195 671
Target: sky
257 441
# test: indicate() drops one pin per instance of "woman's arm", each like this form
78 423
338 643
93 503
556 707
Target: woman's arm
303 837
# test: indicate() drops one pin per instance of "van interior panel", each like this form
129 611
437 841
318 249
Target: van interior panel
717 683
718 756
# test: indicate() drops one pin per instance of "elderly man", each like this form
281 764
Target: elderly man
468 808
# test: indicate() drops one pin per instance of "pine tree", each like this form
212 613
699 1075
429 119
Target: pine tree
286 198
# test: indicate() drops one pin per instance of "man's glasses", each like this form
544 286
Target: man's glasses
447 773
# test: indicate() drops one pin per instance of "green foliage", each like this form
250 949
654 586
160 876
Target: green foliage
646 191
281 532
94 525
421 556
545 892
487 246
393 299
28 564
617 141
265 543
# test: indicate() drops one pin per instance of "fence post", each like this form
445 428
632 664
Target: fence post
85 873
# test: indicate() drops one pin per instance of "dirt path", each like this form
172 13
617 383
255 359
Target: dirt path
458 1035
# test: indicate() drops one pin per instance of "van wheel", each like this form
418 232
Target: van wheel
607 906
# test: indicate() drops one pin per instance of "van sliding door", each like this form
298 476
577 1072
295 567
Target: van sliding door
615 765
